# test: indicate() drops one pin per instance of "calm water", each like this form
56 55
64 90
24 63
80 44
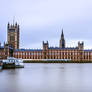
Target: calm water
47 78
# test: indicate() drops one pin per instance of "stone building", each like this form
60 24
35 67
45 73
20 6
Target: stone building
62 41
13 35
77 53
6 51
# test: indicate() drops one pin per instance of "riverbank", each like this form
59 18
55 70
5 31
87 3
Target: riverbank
57 61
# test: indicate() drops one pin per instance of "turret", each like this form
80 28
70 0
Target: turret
45 50
45 45
13 35
8 25
80 45
62 41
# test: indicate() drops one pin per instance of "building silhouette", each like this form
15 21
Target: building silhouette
11 48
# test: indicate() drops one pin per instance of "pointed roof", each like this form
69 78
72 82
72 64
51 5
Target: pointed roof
8 24
62 35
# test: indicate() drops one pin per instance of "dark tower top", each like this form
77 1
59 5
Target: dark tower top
62 35
62 41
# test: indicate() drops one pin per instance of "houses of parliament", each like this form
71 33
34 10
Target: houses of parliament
11 48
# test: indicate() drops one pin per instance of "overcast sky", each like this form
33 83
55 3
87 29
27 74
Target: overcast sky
44 19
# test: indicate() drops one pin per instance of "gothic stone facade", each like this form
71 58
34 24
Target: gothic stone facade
13 35
6 51
12 49
75 54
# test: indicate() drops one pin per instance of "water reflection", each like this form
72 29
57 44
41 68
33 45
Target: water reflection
47 78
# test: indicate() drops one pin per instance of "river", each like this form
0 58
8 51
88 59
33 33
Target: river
47 78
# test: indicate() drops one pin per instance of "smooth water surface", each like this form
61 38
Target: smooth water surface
47 78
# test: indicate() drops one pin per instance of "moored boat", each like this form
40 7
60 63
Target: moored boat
12 62
19 63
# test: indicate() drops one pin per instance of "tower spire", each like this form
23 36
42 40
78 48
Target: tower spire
62 35
62 40
8 25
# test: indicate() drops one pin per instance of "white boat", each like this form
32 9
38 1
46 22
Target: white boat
19 63
13 62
